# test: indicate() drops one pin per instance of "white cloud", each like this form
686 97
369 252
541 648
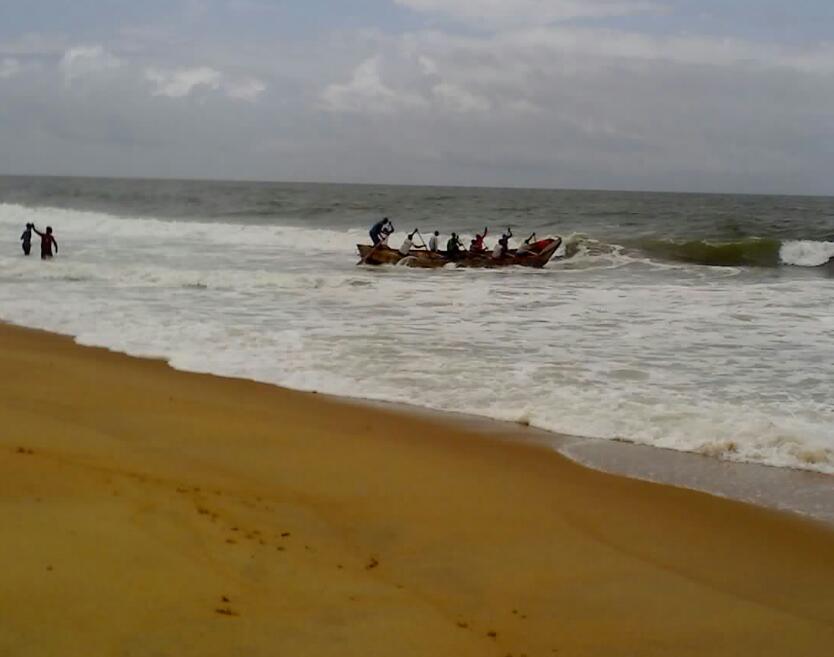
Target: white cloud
623 45
248 89
574 106
527 12
181 82
459 99
33 44
413 84
367 92
532 99
83 61
9 68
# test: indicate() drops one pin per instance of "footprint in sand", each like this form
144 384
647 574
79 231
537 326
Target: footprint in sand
226 611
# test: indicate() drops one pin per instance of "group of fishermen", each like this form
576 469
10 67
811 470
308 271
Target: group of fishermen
455 249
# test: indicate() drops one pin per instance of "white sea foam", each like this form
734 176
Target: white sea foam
806 253
733 367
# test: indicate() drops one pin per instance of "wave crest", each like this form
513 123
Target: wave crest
751 252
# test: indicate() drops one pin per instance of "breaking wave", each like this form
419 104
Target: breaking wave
751 252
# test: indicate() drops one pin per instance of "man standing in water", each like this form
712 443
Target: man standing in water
26 238
47 242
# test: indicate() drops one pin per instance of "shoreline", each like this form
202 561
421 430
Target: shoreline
807 493
152 511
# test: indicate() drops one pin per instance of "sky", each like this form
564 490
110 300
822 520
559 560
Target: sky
677 95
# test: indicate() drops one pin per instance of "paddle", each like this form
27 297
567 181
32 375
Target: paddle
423 240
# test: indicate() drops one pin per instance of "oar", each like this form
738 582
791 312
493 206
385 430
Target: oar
423 240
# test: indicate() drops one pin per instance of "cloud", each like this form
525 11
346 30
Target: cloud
550 102
9 68
578 106
634 46
367 92
502 13
83 61
182 82
33 44
418 88
248 89
178 83
459 99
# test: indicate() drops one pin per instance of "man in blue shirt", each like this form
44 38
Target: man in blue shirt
379 228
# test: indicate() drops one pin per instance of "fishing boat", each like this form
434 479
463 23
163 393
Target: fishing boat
537 256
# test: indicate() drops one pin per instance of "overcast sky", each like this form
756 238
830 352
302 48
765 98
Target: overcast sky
691 95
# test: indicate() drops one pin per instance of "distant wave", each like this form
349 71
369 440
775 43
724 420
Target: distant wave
751 252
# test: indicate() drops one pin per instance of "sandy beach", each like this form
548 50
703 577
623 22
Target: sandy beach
147 511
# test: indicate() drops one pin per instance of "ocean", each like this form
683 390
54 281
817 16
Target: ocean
697 323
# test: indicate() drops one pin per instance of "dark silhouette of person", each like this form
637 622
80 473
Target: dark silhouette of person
378 230
453 247
26 238
47 242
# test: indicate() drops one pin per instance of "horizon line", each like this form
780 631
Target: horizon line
508 187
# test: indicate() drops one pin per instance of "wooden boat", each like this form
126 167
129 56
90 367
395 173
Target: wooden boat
538 256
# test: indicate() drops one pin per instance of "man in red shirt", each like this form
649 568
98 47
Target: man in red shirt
477 244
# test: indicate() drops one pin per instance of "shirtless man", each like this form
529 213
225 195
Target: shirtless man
47 242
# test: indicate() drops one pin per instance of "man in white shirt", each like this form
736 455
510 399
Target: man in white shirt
408 242
433 241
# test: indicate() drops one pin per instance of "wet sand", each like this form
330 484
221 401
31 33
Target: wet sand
146 511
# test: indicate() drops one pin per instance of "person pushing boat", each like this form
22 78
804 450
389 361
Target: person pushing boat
381 230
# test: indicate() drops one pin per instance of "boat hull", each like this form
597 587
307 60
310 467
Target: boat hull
385 255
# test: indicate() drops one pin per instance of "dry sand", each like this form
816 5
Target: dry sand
145 511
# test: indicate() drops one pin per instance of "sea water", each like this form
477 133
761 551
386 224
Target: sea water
698 323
